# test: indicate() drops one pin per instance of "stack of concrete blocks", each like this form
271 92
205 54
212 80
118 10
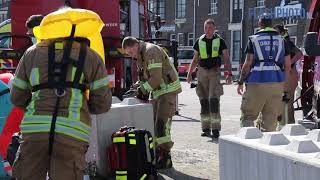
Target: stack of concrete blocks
291 154
130 112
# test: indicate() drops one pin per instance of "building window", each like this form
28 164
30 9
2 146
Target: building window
162 9
294 39
190 39
213 6
180 9
172 37
236 36
153 7
237 4
236 11
293 31
180 39
3 17
260 3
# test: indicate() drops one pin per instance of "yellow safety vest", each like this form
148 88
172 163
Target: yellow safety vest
203 47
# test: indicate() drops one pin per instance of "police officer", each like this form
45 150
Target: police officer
159 77
208 50
50 83
295 55
264 71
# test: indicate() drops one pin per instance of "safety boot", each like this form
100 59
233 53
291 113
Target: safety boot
215 133
163 160
206 132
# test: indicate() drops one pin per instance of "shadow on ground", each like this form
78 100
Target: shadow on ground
185 119
176 175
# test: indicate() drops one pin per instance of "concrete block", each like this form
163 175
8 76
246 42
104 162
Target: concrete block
318 156
115 100
249 133
130 112
274 138
294 130
131 101
270 157
314 135
302 146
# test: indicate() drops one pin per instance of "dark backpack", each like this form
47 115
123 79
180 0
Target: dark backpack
132 154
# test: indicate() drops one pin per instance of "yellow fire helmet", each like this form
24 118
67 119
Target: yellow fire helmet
58 24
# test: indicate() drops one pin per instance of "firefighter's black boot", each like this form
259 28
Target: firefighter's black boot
215 133
206 132
163 160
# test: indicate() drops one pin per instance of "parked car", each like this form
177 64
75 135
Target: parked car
185 55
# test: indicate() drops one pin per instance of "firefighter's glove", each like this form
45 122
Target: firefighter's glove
285 97
130 93
141 96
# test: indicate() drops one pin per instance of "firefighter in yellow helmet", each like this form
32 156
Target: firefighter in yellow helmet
208 50
159 77
50 83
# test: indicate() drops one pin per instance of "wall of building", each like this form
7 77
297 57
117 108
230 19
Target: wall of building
187 25
224 22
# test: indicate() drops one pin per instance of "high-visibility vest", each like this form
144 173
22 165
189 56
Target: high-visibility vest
268 65
203 47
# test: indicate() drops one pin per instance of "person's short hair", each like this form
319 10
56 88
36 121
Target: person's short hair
280 28
266 19
209 21
34 21
129 42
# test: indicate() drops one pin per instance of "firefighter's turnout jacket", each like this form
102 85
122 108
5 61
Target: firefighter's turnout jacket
156 73
73 114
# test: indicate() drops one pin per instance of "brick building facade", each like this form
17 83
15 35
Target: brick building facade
182 20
